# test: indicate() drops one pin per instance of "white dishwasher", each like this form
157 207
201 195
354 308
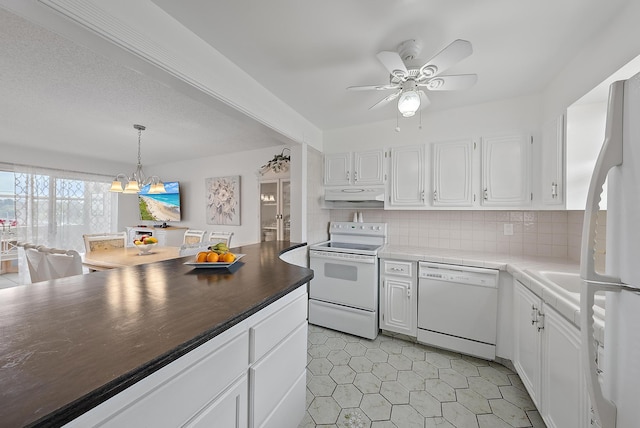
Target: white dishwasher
457 308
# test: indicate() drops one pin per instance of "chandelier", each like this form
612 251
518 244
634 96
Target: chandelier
123 183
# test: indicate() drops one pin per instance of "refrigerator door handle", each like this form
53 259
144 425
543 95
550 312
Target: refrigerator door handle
610 156
604 408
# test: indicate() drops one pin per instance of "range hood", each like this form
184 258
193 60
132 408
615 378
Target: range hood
364 197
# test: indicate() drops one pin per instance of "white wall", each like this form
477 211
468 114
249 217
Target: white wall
505 116
608 51
585 135
192 175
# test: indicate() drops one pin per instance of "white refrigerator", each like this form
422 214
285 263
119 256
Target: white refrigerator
613 375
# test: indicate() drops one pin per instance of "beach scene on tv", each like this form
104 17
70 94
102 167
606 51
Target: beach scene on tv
160 206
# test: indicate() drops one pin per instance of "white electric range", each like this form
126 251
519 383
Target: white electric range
343 294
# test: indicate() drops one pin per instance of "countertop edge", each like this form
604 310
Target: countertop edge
96 397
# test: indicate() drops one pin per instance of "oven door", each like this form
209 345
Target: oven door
345 279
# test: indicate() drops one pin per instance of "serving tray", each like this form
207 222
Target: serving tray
209 265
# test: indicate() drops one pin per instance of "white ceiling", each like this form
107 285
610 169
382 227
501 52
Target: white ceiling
69 98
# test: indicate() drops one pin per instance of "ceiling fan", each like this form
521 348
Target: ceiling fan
410 80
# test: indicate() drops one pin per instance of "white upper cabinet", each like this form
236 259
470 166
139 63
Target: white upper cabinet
359 168
506 171
452 164
552 168
407 183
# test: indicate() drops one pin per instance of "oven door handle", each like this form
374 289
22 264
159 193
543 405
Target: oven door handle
342 257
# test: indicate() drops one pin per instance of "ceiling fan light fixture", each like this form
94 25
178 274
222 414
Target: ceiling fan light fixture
409 103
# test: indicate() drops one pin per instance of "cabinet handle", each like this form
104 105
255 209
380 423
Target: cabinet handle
486 194
540 321
435 195
355 175
554 190
348 176
422 196
534 314
409 292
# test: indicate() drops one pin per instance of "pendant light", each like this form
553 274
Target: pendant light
137 180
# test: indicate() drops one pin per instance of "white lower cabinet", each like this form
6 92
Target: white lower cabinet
251 375
227 410
547 358
398 297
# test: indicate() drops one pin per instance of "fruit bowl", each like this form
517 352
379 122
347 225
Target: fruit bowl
145 248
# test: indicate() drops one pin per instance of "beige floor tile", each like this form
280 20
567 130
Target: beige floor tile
392 382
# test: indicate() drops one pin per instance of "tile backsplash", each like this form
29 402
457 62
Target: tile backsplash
535 233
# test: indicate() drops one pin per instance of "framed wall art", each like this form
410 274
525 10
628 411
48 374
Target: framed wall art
223 200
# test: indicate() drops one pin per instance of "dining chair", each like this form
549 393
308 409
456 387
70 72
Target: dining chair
37 262
193 236
193 249
104 241
62 263
216 237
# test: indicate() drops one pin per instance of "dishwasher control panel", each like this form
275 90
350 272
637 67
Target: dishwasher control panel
466 275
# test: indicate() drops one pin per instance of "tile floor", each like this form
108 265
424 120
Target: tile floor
390 382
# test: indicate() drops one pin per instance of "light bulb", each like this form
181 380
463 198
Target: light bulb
408 103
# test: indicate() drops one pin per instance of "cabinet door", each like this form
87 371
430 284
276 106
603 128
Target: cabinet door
527 342
564 397
397 299
337 169
506 171
452 173
228 410
552 168
284 223
368 167
407 176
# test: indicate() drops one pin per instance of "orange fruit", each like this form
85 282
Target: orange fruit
201 257
227 257
212 257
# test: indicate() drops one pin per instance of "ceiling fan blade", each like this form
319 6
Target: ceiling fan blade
455 52
373 87
424 100
385 100
450 83
393 63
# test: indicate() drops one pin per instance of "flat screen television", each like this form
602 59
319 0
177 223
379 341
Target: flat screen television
162 207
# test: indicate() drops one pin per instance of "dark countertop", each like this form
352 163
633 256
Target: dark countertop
68 345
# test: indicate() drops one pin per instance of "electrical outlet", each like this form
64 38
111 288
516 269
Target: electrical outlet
508 229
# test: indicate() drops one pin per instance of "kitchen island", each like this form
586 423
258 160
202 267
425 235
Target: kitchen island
72 346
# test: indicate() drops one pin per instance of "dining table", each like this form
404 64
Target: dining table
127 256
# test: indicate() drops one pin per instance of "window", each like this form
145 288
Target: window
53 207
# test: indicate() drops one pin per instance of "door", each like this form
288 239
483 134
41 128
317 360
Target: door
564 392
269 199
345 279
506 171
552 168
407 176
527 342
453 173
284 208
368 167
396 300
275 210
337 169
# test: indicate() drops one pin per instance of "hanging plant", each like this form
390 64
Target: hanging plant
279 163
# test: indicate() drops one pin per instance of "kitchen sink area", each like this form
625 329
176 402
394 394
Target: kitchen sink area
565 284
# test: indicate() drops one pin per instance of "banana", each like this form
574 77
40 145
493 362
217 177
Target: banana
220 248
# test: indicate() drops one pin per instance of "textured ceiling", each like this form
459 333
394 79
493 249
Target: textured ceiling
307 53
64 97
